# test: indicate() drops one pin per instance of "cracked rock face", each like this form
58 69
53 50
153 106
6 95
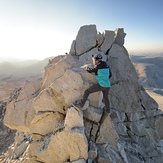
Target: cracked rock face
57 132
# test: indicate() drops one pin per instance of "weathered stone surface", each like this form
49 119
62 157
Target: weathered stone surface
119 116
47 101
63 146
32 152
119 36
146 101
121 66
108 40
120 93
20 113
121 129
29 112
20 149
87 129
30 161
72 49
57 96
92 154
37 137
107 133
159 128
154 159
19 137
46 123
108 153
153 112
152 135
135 116
93 114
86 39
30 89
99 38
103 157
54 71
12 118
161 145
79 161
73 119
70 83
94 132
114 154
122 151
137 128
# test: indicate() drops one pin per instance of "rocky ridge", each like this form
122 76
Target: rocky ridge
50 130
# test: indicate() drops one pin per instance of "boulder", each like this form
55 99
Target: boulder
62 147
121 66
93 114
54 71
69 145
73 119
47 101
46 123
119 36
108 40
92 154
72 49
57 96
86 39
107 133
20 149
100 39
20 113
30 89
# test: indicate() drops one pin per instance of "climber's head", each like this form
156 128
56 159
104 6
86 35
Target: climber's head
96 58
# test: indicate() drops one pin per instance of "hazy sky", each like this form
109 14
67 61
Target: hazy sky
44 28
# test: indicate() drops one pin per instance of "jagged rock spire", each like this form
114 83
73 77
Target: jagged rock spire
60 133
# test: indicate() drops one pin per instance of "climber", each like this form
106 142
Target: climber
103 73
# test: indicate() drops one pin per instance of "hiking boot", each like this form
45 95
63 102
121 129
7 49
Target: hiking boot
80 105
79 102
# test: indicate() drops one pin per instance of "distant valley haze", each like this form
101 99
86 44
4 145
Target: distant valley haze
150 71
22 69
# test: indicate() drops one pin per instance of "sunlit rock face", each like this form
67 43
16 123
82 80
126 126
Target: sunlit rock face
54 131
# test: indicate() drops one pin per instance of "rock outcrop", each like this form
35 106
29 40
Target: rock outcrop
50 130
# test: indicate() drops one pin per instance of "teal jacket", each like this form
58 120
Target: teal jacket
103 73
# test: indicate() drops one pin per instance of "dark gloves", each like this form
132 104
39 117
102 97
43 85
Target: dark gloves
88 69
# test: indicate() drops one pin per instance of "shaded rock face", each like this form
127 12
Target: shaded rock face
51 130
6 134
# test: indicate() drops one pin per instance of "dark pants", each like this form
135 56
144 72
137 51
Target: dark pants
96 88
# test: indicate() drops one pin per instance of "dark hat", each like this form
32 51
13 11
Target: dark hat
97 57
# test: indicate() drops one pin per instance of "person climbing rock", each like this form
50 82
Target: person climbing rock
103 73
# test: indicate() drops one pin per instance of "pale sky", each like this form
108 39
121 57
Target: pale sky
38 29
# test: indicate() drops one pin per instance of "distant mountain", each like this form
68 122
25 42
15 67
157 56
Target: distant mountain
10 71
150 70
